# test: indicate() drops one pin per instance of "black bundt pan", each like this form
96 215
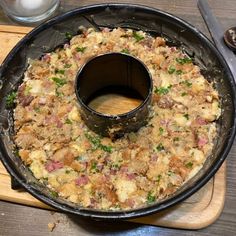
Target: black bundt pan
177 32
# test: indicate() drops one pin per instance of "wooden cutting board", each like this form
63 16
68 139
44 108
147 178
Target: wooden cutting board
198 211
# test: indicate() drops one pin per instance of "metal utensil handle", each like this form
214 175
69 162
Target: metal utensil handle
217 34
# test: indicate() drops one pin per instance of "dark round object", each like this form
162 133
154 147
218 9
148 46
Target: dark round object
177 33
114 73
230 38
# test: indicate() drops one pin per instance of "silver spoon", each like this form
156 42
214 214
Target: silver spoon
230 38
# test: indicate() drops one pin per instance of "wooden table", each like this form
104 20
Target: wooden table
21 220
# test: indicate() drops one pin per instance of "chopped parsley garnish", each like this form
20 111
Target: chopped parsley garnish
179 72
137 36
161 130
67 171
68 35
105 148
171 70
184 60
94 166
27 90
57 71
159 178
125 50
81 49
96 142
186 116
162 90
79 158
160 147
170 173
68 121
59 82
176 139
37 109
150 198
184 94
67 65
187 83
10 101
45 180
53 194
115 166
189 165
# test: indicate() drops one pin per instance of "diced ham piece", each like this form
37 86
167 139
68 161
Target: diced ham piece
164 122
53 120
106 30
154 158
46 57
42 101
124 169
77 56
130 202
82 180
113 172
25 100
53 165
130 176
201 121
202 141
66 45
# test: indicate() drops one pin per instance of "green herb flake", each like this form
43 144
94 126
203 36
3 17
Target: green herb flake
125 50
170 173
162 90
189 165
150 198
81 49
54 194
115 166
187 83
184 94
94 167
160 147
179 72
27 90
105 148
37 109
159 178
68 35
57 71
184 60
67 171
186 116
59 82
171 70
68 121
96 141
67 65
176 139
137 36
161 130
79 158
10 100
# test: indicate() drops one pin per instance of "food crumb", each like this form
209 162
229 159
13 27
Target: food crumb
51 226
2 214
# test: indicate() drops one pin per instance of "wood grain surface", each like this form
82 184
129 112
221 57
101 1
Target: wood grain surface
20 220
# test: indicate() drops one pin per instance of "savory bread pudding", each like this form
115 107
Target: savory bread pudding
137 169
